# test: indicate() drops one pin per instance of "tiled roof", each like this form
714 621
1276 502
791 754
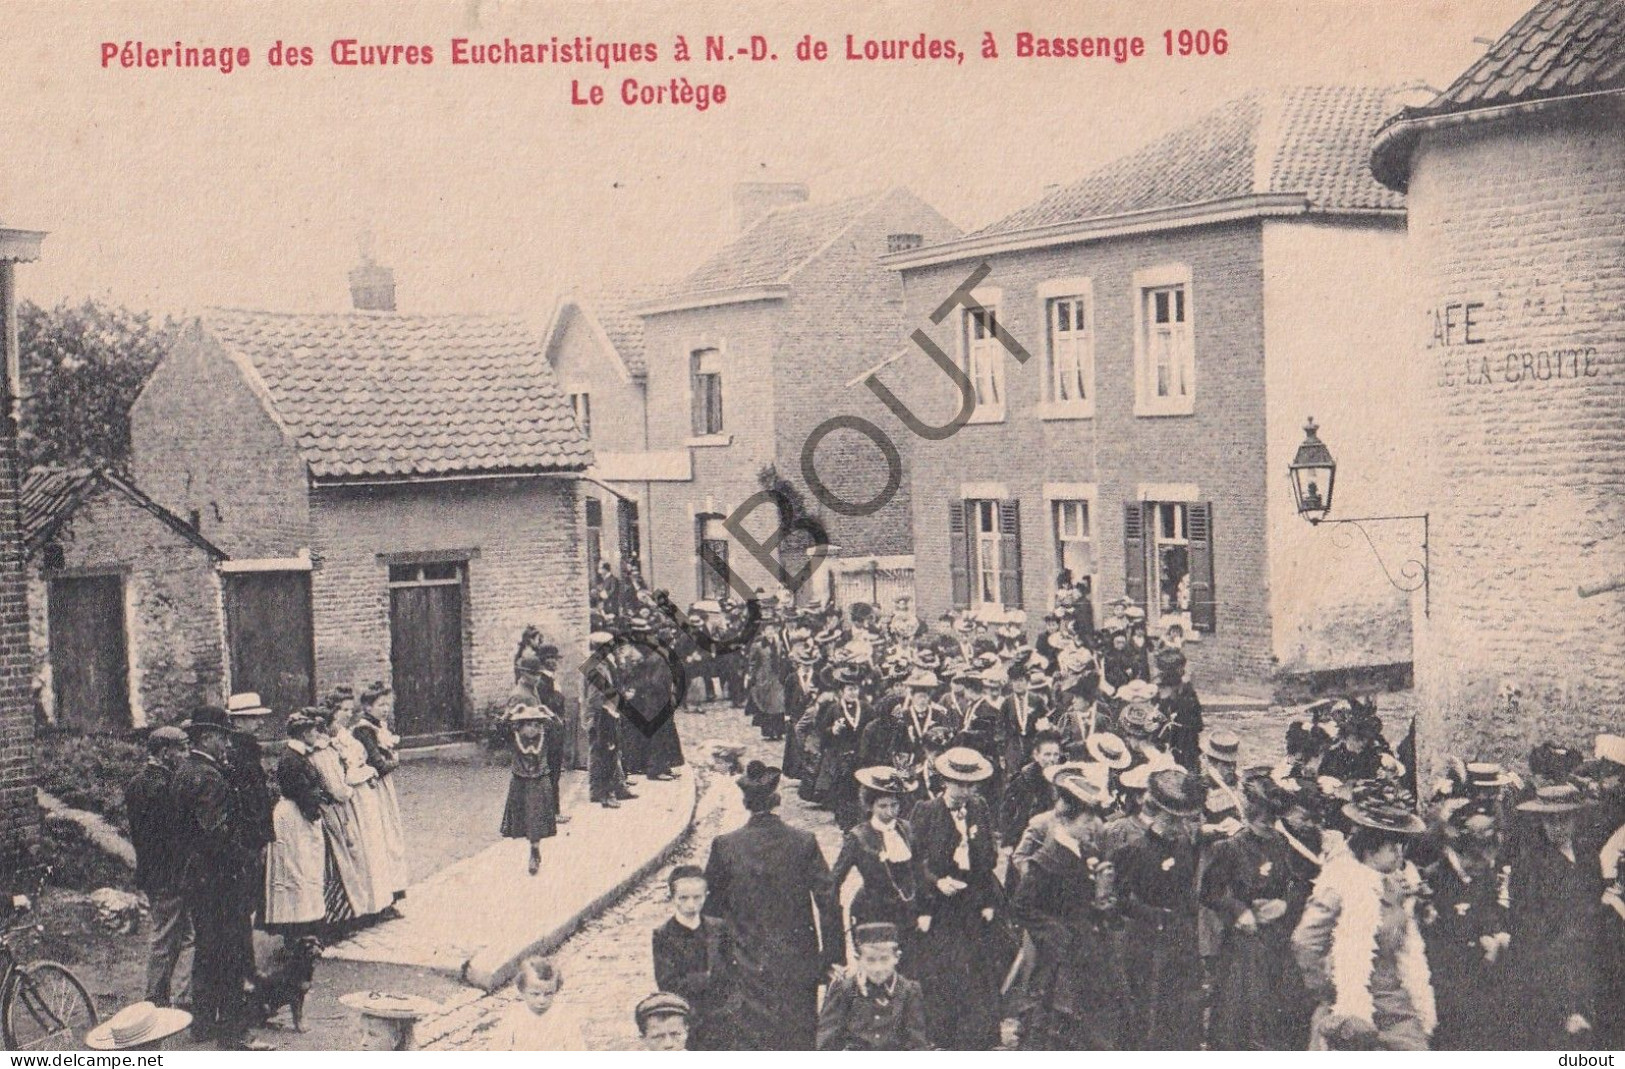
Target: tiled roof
625 332
378 394
1560 48
50 495
774 248
1312 140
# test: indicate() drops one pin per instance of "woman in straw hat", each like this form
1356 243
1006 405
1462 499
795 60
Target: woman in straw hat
1065 905
1358 944
842 716
881 849
1555 918
961 956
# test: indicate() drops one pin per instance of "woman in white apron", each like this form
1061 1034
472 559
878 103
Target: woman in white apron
297 863
342 823
372 730
367 808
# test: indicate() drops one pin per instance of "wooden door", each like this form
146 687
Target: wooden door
89 662
268 627
426 648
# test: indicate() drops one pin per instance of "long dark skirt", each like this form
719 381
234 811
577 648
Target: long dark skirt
532 809
1259 1002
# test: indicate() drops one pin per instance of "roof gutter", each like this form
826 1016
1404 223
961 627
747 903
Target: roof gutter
1391 149
1229 209
330 482
712 299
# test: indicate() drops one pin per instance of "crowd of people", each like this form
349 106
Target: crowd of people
1052 849
221 852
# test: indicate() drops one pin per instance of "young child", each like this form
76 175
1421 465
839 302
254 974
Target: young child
534 1022
694 957
872 1007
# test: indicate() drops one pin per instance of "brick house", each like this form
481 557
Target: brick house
19 811
1185 308
124 603
399 496
594 344
750 352
1515 180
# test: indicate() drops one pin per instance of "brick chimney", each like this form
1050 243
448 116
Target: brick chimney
372 287
752 200
19 813
903 242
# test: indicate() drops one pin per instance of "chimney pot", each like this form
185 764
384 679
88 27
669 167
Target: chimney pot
752 200
372 287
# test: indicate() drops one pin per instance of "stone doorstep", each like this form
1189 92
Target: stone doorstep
522 914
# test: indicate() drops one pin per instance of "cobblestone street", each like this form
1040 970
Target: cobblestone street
608 965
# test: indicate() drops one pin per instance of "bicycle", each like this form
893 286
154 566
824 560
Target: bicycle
43 1006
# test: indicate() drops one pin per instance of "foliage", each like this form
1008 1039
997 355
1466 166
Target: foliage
79 864
89 772
82 367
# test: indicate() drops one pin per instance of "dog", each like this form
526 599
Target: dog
285 980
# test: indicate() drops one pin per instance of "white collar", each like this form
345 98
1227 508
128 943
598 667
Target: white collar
889 988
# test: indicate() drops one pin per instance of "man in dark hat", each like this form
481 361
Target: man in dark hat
213 870
962 955
871 1006
771 883
155 830
606 780
1065 902
1155 856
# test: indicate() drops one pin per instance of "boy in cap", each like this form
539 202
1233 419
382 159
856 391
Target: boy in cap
662 1021
871 1006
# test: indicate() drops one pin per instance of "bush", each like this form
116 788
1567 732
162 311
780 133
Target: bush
89 772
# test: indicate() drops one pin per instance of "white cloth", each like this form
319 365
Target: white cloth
295 867
962 851
892 847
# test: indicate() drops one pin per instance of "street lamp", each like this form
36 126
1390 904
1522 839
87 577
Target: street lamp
1312 469
1313 473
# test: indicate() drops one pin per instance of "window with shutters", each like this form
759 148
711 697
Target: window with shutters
984 363
1169 551
1071 355
705 386
1165 355
985 537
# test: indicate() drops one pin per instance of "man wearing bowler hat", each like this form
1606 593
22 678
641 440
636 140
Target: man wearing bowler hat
213 868
771 882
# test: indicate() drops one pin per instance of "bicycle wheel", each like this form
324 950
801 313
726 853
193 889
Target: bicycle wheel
46 1008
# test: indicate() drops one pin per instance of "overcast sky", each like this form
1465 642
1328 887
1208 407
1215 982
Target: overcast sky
173 190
